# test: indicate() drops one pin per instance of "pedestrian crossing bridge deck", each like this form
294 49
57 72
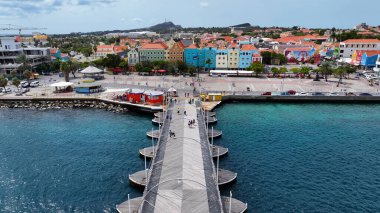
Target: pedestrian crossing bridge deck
182 176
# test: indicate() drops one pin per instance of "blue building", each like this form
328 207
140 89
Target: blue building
191 55
369 59
245 55
210 54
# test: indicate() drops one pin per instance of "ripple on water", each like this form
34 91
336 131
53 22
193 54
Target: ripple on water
303 157
68 160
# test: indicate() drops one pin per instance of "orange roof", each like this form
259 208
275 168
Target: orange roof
211 45
247 47
53 50
221 48
227 38
181 45
256 55
298 49
233 45
154 46
192 46
104 47
371 52
119 48
356 41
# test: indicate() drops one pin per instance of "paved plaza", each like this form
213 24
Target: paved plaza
209 84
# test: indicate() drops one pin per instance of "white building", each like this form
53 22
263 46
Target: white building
10 49
221 58
377 68
348 47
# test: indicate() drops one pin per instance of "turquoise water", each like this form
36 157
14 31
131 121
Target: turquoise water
68 160
289 158
303 158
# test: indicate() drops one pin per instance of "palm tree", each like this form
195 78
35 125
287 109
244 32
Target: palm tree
66 68
340 71
208 62
325 69
25 64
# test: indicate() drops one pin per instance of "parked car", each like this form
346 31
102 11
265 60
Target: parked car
8 90
24 84
267 94
332 94
248 89
34 84
317 94
365 94
302 94
292 92
350 94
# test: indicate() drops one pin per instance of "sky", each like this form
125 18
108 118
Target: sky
66 16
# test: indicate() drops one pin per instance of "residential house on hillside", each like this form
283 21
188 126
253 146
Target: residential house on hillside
256 57
104 50
221 58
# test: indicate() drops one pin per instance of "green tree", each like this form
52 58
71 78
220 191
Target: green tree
208 62
275 71
295 70
124 65
15 81
3 81
325 69
25 63
191 69
283 70
340 71
257 67
138 67
66 68
27 74
111 61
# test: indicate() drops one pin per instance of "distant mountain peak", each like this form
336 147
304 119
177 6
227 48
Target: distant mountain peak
168 25
242 25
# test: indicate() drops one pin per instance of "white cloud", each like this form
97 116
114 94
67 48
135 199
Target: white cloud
204 4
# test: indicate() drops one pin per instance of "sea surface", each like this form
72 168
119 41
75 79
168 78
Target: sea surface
289 157
303 157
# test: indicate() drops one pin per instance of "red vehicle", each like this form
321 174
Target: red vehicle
292 92
267 94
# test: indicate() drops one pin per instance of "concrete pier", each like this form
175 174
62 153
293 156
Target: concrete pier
148 152
211 133
182 176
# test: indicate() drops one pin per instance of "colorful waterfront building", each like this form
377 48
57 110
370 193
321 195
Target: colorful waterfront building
299 54
369 59
233 56
245 55
210 56
175 52
221 58
191 55
133 59
256 57
153 52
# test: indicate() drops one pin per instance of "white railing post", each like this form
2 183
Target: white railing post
229 209
212 136
129 204
153 143
217 168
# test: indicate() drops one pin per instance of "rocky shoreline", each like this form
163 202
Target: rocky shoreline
62 104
